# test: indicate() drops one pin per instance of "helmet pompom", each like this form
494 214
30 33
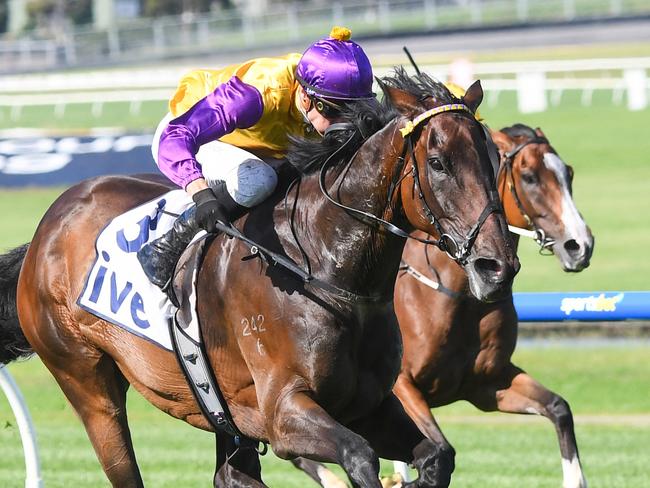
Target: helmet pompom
340 33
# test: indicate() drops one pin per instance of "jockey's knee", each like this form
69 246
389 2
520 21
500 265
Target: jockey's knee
251 182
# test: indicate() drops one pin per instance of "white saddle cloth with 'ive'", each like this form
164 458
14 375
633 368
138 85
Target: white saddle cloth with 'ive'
116 289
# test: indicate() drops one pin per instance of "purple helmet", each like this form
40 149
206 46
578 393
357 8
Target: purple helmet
336 68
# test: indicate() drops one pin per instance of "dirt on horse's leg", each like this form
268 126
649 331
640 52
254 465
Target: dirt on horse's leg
298 426
418 409
514 391
97 390
236 467
393 434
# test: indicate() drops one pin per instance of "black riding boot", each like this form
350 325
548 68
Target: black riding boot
159 257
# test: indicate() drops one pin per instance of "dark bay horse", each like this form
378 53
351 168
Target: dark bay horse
314 377
456 348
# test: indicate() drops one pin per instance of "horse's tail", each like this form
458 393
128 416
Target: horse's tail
13 343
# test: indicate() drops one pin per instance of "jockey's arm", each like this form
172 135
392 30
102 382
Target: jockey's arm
232 105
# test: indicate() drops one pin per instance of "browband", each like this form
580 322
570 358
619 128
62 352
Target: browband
411 125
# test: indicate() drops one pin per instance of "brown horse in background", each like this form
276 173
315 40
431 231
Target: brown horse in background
456 348
314 377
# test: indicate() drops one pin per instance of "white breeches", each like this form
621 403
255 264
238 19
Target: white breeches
249 180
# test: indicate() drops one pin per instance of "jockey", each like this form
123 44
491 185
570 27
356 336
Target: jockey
217 117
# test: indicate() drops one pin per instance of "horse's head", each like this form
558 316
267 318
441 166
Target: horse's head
448 188
535 186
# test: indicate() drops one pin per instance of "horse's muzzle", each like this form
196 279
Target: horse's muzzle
491 279
574 255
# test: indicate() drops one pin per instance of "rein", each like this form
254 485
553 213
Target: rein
545 243
366 217
446 242
274 258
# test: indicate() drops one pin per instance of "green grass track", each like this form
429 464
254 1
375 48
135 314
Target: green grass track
606 387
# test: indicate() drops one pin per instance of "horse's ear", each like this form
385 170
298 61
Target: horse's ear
473 96
403 101
539 133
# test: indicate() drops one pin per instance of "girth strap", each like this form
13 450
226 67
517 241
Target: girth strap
190 350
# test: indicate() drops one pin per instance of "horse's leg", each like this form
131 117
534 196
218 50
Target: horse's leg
96 389
298 426
393 435
418 409
236 466
514 391
89 378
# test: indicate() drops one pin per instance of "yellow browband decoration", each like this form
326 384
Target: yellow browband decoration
412 124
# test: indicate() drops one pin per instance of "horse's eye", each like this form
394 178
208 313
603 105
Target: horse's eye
569 171
435 163
529 178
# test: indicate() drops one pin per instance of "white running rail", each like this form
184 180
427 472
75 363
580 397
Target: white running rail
625 78
25 426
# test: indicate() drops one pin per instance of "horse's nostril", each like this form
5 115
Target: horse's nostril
491 269
572 247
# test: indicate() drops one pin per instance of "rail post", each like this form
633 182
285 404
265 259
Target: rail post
26 428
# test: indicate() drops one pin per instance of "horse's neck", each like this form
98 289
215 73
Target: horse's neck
350 253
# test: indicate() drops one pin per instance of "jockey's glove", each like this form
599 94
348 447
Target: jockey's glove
209 210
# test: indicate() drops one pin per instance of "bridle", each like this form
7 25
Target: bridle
458 252
545 243
446 242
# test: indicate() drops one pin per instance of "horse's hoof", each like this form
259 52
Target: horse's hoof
394 481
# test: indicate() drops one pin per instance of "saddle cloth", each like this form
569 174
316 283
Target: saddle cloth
116 289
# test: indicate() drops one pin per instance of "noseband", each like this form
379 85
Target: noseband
457 252
446 242
545 243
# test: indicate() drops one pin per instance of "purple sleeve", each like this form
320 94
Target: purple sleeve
232 105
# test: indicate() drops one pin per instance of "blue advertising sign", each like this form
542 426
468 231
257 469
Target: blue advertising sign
605 306
51 161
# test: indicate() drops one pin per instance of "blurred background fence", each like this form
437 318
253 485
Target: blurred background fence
265 23
537 84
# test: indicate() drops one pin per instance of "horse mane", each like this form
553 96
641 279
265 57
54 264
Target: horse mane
366 118
421 85
519 130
